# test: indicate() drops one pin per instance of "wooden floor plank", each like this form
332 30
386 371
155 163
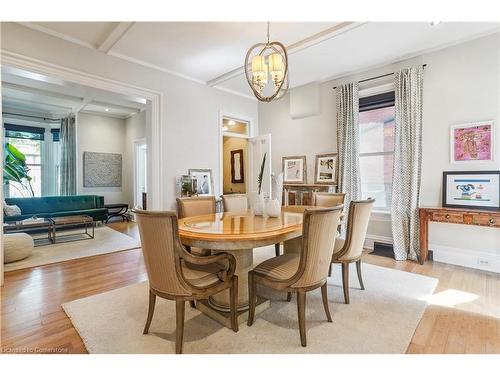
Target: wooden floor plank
32 319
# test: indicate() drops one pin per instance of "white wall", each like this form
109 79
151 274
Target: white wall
100 134
135 129
190 110
461 84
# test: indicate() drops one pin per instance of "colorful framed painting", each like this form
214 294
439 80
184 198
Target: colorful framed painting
472 189
325 171
472 142
294 170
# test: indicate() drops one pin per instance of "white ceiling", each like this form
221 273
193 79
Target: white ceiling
34 94
213 52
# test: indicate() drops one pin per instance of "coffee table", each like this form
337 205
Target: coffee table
44 223
68 221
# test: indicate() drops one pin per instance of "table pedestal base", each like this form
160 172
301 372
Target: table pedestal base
223 317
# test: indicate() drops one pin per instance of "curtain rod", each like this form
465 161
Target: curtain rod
39 117
380 76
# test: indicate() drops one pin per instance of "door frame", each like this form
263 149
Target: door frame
137 143
252 132
155 107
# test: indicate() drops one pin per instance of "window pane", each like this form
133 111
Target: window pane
31 148
376 179
377 130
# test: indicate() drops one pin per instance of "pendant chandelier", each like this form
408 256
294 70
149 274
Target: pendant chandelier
266 61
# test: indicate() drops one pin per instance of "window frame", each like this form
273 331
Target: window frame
370 103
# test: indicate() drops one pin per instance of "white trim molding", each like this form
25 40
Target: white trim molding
481 260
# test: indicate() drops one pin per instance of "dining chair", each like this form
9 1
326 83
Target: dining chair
235 202
350 249
304 271
195 206
329 200
178 275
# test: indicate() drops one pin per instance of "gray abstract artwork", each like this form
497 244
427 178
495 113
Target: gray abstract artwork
102 169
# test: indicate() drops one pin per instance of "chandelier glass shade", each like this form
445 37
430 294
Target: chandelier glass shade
266 64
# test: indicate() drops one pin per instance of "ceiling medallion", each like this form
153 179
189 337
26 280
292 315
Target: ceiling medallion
264 61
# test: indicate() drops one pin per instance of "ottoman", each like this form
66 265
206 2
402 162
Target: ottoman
17 246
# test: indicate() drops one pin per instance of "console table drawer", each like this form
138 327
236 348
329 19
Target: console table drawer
486 220
448 217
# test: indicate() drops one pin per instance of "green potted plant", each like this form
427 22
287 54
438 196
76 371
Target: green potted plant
16 170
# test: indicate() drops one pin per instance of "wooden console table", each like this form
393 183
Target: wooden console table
452 215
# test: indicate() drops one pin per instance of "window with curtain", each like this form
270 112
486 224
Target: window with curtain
40 154
376 157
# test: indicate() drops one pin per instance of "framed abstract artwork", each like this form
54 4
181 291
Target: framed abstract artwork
472 142
472 189
325 171
294 170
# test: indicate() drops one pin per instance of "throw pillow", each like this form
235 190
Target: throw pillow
11 210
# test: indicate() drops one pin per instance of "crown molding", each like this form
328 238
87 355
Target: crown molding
114 36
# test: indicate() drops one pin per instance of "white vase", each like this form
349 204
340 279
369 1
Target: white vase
273 207
258 204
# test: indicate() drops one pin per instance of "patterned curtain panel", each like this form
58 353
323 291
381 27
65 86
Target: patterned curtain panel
407 163
68 157
349 181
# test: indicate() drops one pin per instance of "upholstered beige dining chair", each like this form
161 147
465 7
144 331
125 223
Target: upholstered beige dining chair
235 202
195 206
327 199
350 249
175 274
301 272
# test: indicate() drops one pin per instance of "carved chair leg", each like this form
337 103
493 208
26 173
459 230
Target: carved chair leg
324 296
301 308
330 270
180 308
233 296
251 298
151 310
192 304
277 249
358 269
345 281
289 296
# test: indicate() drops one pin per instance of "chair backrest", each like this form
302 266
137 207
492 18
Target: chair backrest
318 239
357 225
194 206
235 202
328 199
159 239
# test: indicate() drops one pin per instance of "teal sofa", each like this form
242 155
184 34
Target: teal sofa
91 205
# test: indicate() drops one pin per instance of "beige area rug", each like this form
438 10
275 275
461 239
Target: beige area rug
106 240
381 319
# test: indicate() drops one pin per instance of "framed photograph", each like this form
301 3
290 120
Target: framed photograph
472 189
204 181
325 169
294 170
237 175
472 142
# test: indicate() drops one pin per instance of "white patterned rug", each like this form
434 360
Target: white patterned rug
106 240
380 319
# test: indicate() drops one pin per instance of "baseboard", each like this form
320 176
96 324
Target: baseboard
466 258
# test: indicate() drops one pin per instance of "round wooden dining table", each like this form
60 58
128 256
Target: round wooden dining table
239 233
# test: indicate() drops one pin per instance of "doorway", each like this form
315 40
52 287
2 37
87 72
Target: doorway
140 172
234 155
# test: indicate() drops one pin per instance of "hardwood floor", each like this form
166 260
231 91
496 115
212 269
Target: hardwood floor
464 316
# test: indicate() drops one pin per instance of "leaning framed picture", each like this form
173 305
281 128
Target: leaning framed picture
204 181
294 170
472 142
325 169
472 189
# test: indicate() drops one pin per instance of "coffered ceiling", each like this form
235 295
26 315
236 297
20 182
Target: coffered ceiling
212 53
